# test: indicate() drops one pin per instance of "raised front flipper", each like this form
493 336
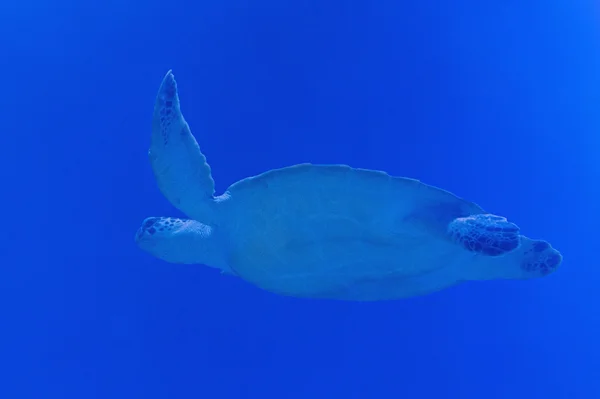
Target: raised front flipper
486 234
180 168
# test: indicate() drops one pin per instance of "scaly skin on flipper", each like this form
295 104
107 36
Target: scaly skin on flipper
485 234
181 171
539 257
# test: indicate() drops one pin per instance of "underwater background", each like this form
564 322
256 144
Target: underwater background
495 101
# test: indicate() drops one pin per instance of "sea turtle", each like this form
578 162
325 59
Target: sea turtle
326 231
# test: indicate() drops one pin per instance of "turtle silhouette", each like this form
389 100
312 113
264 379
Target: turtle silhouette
326 231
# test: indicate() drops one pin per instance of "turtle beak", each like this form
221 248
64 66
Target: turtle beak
145 228
138 235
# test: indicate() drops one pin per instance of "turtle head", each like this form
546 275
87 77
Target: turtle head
179 241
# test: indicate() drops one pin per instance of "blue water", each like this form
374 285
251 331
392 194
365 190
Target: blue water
495 101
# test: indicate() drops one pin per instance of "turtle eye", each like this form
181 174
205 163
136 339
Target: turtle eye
149 223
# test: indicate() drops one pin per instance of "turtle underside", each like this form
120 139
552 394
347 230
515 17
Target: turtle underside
315 230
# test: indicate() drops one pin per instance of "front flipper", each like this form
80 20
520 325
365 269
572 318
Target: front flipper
486 234
180 168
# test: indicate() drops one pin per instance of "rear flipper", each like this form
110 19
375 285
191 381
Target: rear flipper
539 257
486 234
